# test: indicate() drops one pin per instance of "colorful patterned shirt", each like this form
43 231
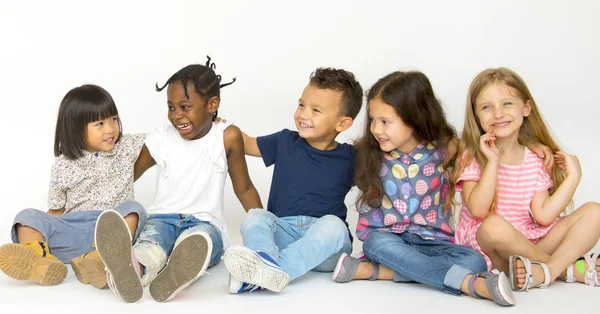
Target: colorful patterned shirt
415 187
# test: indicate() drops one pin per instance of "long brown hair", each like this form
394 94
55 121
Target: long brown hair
533 130
412 97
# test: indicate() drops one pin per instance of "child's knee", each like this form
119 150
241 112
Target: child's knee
495 229
591 211
150 254
334 225
131 209
28 215
255 216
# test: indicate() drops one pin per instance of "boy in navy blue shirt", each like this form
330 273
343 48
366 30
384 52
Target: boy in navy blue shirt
304 225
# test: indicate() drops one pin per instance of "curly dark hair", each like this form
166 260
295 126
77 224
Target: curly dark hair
342 81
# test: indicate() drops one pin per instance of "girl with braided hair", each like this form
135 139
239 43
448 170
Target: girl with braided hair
186 231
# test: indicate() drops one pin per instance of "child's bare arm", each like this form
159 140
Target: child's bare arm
143 163
238 170
250 146
479 196
545 207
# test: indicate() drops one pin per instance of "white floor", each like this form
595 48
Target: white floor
312 293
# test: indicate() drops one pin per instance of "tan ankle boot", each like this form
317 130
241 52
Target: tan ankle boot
89 268
32 261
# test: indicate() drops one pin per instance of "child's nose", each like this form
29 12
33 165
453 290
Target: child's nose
498 112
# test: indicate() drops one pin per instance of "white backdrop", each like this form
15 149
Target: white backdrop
49 47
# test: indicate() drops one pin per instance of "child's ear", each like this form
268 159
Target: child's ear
527 109
344 124
213 104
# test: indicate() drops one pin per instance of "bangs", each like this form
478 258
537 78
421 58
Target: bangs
98 109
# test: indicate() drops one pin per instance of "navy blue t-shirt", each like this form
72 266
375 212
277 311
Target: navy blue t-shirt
306 181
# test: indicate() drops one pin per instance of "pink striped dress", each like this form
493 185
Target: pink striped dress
516 186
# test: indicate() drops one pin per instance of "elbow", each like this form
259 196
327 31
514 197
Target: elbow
478 212
241 191
543 221
481 215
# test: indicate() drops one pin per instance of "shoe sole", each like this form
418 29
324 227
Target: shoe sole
338 267
89 271
113 243
21 263
506 294
188 260
244 265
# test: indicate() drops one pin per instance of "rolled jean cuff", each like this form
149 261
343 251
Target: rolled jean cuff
454 279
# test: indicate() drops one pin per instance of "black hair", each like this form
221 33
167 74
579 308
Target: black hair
206 82
80 106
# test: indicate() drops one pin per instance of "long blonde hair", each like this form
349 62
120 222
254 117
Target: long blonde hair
533 130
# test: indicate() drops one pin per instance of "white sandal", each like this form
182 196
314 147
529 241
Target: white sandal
591 275
512 262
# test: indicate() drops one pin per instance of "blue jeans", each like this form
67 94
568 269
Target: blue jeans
157 239
298 243
72 234
436 263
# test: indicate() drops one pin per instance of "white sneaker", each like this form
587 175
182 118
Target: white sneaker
255 267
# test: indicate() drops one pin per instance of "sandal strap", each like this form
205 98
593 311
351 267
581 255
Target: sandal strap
569 277
472 287
591 276
375 272
546 282
513 272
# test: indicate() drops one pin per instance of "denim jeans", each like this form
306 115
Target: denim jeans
298 243
157 239
72 234
436 263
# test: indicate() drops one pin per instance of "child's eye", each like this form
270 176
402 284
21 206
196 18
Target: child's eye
371 119
171 108
186 107
316 110
486 107
115 118
508 103
385 122
99 123
301 105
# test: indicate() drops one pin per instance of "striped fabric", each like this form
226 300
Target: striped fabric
515 188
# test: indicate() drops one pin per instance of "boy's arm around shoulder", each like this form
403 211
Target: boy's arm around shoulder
143 163
250 145
238 170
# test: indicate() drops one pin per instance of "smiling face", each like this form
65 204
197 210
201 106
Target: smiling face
192 117
101 135
318 114
388 128
499 108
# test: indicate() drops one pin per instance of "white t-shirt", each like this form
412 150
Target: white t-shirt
190 174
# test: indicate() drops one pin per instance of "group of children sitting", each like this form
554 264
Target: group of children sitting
513 233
